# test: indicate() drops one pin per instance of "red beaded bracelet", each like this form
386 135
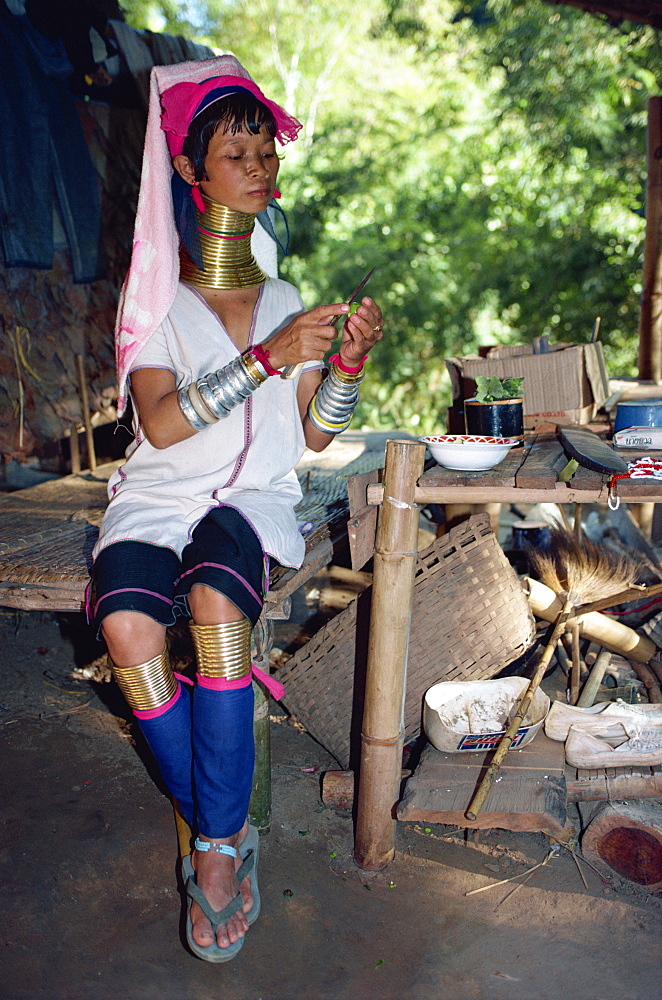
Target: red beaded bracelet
261 354
336 360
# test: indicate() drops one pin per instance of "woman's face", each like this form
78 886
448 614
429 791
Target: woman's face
241 170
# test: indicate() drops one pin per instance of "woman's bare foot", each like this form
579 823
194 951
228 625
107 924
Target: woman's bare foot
216 877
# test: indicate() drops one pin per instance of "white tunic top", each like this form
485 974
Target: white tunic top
245 460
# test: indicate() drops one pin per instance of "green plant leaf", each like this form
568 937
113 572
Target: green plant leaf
489 388
512 387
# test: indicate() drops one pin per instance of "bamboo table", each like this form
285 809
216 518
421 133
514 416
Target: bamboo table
528 474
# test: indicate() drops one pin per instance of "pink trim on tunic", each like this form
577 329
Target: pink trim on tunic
131 590
229 570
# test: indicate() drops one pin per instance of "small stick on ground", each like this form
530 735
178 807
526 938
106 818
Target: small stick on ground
553 851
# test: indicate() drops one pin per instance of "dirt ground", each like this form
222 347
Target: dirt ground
91 907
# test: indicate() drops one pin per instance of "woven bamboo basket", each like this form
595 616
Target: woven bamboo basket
470 619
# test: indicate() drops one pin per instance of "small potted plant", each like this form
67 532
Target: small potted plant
497 407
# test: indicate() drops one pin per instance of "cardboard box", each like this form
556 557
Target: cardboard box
565 385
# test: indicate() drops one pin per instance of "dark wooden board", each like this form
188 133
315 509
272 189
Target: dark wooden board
362 524
530 794
591 451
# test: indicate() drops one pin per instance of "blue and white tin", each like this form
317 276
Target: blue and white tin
638 413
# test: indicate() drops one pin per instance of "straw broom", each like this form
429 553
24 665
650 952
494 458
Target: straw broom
579 572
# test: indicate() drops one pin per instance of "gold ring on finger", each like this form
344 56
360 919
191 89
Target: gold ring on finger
377 329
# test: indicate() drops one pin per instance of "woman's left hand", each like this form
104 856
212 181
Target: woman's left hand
361 332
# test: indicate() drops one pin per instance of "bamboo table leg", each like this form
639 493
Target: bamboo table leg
259 810
392 597
184 834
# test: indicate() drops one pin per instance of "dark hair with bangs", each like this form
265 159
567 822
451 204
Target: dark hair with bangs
234 113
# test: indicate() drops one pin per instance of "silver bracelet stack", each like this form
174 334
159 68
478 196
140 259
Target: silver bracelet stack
332 407
211 398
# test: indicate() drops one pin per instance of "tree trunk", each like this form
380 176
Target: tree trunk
627 836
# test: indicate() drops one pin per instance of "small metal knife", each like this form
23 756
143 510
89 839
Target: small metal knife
291 371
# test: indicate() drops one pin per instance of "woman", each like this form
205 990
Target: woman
207 494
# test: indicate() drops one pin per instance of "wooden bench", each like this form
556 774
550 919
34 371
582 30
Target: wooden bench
47 533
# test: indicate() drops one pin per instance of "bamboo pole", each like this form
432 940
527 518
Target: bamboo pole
575 673
590 689
611 634
259 808
74 447
506 740
578 522
184 834
625 597
85 404
383 715
650 319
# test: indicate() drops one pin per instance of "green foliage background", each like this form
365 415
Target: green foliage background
488 157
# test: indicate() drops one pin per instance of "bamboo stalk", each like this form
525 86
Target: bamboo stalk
590 689
625 597
609 633
184 835
85 404
649 680
564 516
575 673
74 448
505 743
578 522
259 808
563 659
392 597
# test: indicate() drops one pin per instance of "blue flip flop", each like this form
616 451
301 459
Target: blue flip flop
213 952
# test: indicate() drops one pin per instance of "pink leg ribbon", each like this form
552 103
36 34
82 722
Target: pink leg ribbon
274 687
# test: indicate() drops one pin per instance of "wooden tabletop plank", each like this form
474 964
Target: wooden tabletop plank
544 460
588 480
501 475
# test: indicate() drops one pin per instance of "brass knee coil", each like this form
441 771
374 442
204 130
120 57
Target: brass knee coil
223 651
148 685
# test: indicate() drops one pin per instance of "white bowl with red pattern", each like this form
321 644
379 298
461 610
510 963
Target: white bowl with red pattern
468 452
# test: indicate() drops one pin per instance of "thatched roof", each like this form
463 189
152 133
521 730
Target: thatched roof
640 11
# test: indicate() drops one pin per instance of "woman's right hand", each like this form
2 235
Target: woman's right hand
307 337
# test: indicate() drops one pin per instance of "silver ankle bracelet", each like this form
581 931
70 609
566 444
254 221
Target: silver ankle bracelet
204 846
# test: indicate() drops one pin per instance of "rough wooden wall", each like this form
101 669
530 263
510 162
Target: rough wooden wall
56 319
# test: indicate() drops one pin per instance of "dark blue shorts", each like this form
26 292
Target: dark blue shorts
224 553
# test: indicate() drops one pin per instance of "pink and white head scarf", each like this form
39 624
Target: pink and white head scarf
151 284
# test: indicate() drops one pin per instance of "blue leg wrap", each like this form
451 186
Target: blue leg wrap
224 756
169 739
